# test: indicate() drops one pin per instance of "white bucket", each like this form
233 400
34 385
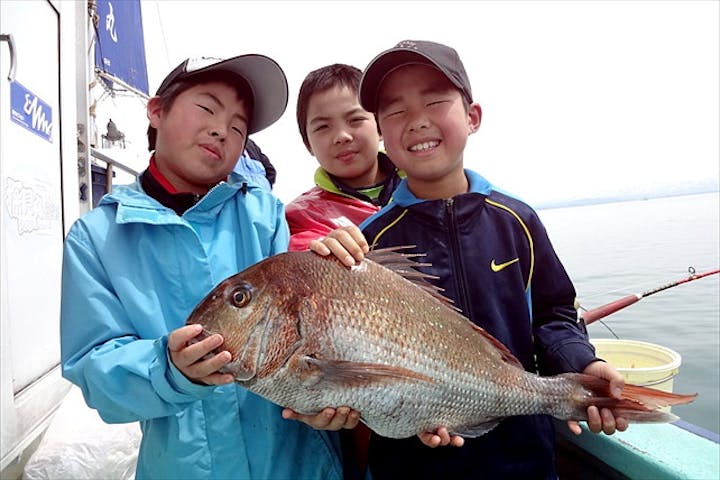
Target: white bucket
640 363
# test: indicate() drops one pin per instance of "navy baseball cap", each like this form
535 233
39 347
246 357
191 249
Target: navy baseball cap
407 52
264 76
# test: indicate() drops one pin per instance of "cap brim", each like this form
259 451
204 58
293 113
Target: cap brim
385 63
380 67
267 81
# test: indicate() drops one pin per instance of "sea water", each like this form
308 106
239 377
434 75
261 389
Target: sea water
616 249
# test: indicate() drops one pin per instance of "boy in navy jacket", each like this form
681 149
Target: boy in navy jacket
489 252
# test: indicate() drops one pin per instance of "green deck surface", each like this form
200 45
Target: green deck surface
651 451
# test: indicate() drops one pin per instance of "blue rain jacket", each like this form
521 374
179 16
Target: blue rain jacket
133 271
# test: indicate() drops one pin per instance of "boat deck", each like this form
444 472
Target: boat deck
652 451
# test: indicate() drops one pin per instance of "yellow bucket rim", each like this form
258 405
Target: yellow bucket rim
673 365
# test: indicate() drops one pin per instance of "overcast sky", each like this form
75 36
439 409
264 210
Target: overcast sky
579 98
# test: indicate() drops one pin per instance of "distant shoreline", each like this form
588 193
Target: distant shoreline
623 197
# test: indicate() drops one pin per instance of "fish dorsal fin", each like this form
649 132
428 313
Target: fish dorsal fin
505 354
404 265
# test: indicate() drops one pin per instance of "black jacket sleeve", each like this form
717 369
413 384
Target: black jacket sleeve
255 153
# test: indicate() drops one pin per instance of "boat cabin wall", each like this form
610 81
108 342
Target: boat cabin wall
43 80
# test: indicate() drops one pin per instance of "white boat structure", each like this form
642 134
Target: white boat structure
53 165
55 162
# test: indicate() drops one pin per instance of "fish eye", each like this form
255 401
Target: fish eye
241 296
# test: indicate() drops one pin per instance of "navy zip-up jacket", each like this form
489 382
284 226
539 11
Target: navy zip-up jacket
493 258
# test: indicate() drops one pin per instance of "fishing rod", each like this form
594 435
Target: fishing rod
589 316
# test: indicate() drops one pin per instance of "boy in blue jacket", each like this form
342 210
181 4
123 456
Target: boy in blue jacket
489 252
135 267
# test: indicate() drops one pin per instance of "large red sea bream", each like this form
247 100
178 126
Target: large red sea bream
306 332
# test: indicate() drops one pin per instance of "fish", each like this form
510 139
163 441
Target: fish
307 332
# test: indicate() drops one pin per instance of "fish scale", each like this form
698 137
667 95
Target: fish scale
306 332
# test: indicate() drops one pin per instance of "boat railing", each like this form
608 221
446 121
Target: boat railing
110 165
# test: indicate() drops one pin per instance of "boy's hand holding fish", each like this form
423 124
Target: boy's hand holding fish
190 358
348 244
327 419
603 420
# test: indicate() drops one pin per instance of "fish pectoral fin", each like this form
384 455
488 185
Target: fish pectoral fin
476 430
352 374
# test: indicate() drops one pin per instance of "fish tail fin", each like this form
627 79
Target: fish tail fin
636 404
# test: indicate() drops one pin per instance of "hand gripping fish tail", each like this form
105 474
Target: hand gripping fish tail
306 332
637 404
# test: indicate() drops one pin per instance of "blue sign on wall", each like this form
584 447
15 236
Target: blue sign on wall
30 112
120 48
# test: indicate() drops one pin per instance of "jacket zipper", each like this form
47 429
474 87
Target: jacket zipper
458 266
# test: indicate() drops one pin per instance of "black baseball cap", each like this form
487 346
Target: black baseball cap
407 52
264 76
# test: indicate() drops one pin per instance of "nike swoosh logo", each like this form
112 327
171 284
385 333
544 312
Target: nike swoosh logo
497 267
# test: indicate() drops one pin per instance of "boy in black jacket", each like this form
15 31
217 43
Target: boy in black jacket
490 254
